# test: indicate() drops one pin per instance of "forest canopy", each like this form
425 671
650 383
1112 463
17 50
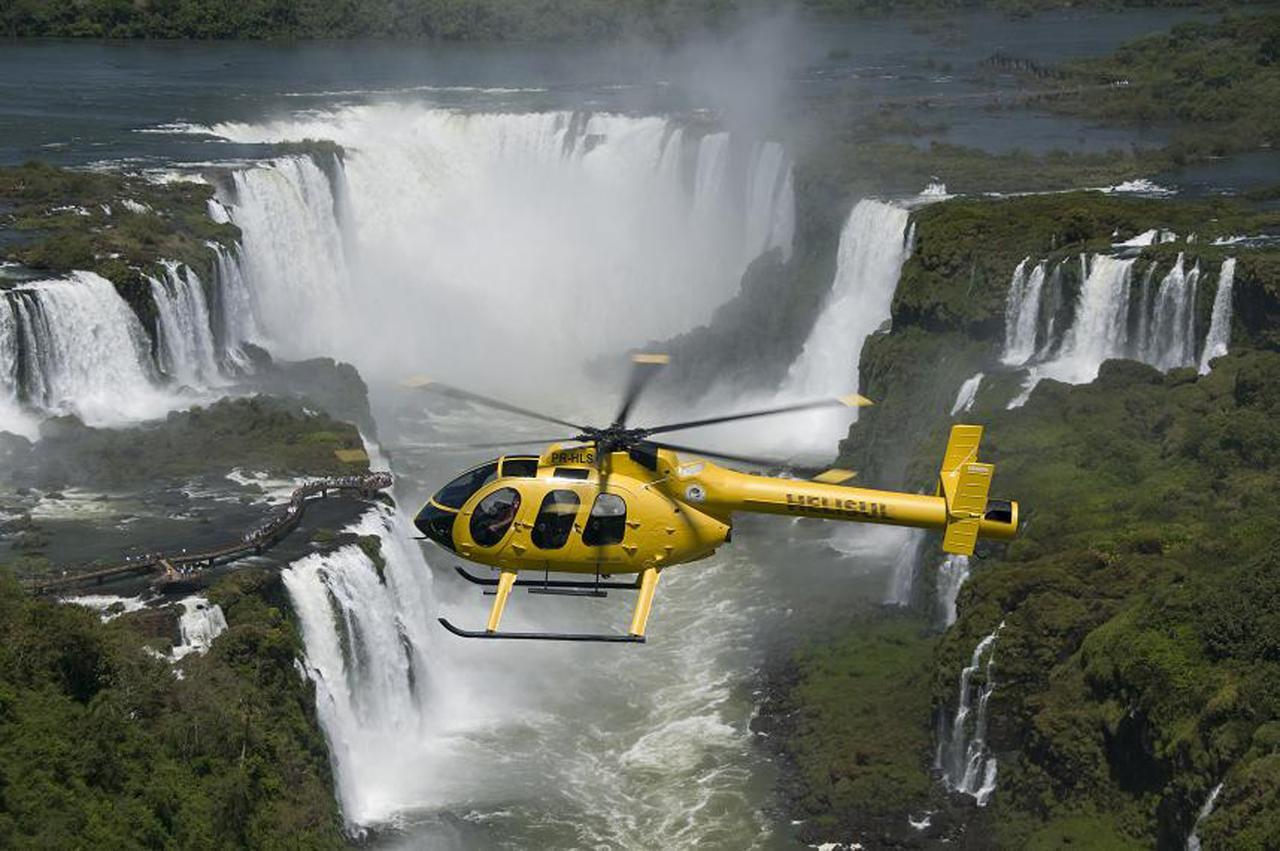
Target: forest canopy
457 20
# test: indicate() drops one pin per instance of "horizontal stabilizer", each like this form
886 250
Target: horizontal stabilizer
835 476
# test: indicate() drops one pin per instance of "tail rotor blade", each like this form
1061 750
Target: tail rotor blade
643 368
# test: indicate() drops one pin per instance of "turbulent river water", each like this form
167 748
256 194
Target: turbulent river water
499 216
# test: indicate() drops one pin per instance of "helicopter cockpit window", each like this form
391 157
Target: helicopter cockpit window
454 494
607 523
494 516
555 520
523 468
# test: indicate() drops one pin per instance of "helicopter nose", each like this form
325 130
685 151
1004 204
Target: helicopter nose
436 523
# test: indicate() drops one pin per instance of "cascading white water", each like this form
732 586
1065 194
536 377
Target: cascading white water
1100 330
967 394
905 567
1163 335
293 253
584 233
1171 341
1218 337
1022 313
962 755
873 247
76 347
1206 810
200 623
184 329
12 417
234 315
368 650
952 574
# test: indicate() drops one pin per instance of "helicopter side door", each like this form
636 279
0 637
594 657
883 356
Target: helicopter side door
573 526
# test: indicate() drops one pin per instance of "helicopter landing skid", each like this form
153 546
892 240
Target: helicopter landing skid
551 583
610 638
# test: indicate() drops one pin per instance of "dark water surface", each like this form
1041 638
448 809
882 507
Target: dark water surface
99 102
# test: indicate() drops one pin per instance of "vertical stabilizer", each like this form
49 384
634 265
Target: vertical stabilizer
964 483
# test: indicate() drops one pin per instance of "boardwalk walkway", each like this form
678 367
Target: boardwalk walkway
175 565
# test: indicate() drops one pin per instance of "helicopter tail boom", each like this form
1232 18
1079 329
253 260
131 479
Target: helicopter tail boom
960 508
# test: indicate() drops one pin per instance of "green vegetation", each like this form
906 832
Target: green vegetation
103 747
258 433
1216 83
1138 663
80 220
853 166
453 20
439 19
853 718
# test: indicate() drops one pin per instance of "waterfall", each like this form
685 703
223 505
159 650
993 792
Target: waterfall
952 574
770 210
1100 330
73 346
12 417
368 645
1022 313
199 624
872 249
1154 323
968 392
1170 341
234 314
292 250
1219 334
524 222
1193 839
962 755
905 566
184 329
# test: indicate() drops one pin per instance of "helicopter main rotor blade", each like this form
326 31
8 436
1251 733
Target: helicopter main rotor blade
740 459
853 400
467 396
503 444
643 368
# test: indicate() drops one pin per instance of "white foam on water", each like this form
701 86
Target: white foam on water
199 624
105 604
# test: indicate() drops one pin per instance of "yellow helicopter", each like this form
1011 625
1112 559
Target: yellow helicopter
612 501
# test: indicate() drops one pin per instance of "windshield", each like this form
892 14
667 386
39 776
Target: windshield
454 494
